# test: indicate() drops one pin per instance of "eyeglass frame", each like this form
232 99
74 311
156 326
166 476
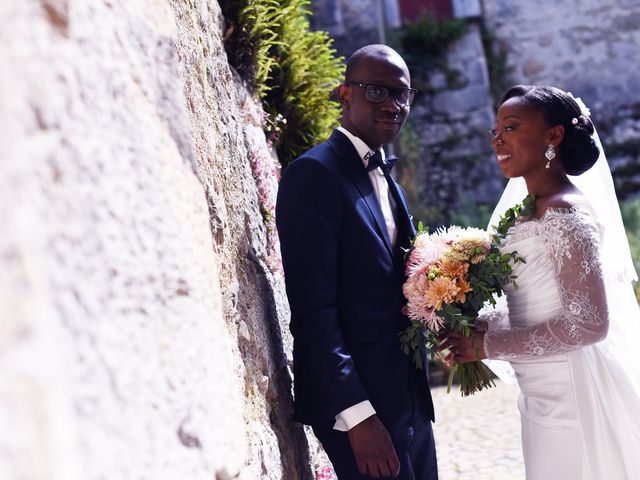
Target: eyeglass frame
390 91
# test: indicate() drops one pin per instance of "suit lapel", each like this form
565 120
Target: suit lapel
352 163
403 210
406 230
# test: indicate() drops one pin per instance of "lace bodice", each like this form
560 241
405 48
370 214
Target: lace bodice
560 304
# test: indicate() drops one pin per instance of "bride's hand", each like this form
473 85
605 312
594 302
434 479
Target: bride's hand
481 326
464 349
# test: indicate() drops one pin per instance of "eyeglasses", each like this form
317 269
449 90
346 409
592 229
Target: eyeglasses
378 94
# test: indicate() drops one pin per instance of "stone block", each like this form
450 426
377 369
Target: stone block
327 16
469 46
433 133
624 132
626 22
392 14
477 73
506 9
466 8
470 98
533 67
437 80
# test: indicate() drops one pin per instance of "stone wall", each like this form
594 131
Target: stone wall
355 23
450 120
588 47
143 330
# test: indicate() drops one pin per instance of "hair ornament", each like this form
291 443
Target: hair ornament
574 121
584 110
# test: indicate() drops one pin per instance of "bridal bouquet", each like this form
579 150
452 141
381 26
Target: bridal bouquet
451 274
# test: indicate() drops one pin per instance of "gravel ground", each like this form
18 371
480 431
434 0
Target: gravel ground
478 437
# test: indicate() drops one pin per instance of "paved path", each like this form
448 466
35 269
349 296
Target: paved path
478 437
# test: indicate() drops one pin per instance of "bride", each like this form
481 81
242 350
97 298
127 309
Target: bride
569 330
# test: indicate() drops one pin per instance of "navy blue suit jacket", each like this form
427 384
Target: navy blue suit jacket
344 284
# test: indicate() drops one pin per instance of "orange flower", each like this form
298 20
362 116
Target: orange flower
464 288
454 269
441 290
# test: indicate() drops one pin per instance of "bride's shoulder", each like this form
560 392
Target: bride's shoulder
569 213
566 203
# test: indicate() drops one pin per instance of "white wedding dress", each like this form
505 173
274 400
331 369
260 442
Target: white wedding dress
579 402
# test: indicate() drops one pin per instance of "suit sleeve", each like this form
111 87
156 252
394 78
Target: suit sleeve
309 218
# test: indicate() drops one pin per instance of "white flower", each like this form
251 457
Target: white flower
584 110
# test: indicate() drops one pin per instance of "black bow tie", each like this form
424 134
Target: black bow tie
385 165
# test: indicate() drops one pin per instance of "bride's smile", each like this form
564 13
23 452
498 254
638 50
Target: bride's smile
520 139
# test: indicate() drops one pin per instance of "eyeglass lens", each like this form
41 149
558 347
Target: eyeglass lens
378 94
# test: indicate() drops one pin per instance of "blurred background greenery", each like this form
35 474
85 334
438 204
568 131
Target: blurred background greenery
631 216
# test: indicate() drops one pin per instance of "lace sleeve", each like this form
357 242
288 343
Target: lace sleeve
496 316
572 241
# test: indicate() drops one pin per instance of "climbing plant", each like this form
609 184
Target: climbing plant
424 44
291 68
497 64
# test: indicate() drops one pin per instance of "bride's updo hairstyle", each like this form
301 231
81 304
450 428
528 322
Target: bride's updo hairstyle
578 150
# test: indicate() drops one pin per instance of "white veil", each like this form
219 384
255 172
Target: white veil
619 271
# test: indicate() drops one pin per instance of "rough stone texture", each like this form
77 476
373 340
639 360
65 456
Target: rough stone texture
588 47
457 170
143 332
354 24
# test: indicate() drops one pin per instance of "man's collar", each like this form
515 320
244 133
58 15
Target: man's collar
361 147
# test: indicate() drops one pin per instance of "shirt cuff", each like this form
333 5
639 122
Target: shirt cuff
352 416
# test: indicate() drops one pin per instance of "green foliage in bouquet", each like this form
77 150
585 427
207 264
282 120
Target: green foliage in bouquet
487 273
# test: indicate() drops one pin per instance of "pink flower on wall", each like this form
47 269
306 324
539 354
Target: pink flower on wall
325 473
266 172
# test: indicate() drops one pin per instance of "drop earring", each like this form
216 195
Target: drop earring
550 154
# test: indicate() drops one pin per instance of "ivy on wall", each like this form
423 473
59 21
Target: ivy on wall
497 63
424 44
291 68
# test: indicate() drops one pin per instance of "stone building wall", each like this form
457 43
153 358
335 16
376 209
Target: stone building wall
355 23
588 47
143 319
457 169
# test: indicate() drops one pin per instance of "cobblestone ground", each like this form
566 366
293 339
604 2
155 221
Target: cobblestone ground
478 437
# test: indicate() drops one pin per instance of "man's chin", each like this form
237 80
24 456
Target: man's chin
387 139
387 133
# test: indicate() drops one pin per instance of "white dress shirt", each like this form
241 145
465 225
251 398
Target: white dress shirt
380 185
352 416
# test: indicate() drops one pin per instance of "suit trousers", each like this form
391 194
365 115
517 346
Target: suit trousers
412 439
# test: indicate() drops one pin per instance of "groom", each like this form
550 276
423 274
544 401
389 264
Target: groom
343 223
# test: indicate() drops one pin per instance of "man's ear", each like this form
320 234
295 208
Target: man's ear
344 95
556 135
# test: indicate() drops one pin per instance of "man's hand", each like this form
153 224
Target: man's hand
372 447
